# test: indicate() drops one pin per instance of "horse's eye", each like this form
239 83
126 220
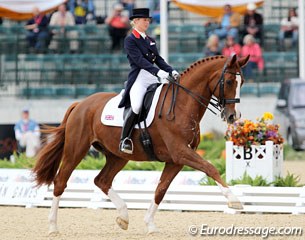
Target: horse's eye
229 82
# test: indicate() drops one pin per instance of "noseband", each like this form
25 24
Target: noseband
222 101
217 103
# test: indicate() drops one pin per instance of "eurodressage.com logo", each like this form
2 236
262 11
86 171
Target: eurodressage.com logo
264 232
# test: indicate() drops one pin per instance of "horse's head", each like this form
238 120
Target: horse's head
226 87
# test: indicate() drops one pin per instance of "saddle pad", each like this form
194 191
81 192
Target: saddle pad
113 116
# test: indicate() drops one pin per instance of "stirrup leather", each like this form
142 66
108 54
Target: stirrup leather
126 145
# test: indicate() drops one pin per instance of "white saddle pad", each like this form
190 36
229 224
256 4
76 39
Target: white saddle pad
113 116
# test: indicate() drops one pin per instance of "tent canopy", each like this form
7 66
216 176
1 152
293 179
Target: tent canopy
22 9
214 8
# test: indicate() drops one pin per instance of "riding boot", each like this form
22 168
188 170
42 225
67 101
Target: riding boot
126 144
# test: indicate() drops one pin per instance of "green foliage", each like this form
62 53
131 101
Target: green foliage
291 154
246 179
289 181
213 148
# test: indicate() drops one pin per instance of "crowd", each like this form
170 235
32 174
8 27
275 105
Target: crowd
233 35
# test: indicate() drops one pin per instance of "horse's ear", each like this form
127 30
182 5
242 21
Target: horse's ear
243 61
233 60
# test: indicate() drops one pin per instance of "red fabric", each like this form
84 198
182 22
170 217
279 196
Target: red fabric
255 52
117 22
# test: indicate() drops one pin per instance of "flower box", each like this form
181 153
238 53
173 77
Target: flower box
264 160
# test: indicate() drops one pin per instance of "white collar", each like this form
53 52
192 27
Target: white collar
143 35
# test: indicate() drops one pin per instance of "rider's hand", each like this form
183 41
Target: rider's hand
175 75
162 74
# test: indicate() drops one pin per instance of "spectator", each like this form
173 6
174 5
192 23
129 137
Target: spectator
289 28
27 134
1 21
83 10
212 47
128 5
253 23
38 32
118 25
229 23
231 47
256 58
61 19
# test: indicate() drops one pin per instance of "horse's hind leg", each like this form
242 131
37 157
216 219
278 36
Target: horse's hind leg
104 181
169 173
71 158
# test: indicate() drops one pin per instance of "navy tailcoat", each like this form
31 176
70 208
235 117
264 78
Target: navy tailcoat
142 54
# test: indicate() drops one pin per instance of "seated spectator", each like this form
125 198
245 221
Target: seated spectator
229 23
83 10
62 18
212 47
128 5
256 58
253 23
27 133
231 47
38 33
289 28
118 25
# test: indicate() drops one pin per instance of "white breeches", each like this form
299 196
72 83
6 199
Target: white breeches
138 89
31 142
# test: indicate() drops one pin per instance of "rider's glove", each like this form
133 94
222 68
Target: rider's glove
163 76
175 75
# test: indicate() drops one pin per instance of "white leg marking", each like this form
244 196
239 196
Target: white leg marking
149 218
237 95
53 215
122 220
233 201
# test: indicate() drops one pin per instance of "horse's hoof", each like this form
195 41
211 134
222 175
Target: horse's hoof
235 205
122 223
152 230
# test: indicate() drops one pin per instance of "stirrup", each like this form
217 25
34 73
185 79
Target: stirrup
126 146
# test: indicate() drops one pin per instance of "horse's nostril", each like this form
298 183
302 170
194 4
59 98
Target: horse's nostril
231 118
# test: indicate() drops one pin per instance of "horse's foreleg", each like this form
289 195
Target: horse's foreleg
189 157
169 172
104 181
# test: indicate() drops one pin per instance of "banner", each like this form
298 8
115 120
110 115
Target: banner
214 8
22 9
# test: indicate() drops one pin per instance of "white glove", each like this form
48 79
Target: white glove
162 74
175 75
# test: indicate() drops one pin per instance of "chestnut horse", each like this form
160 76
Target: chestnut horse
174 140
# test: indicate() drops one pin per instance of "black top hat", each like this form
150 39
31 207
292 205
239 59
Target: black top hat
140 13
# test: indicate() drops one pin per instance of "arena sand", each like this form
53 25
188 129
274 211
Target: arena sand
88 224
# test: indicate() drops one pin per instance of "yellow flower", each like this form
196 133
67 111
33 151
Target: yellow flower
267 116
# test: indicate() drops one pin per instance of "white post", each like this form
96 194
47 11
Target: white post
163 30
302 39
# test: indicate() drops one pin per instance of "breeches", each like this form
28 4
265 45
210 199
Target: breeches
138 89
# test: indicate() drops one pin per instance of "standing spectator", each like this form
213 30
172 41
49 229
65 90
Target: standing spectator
231 47
229 23
256 58
253 23
38 32
27 133
118 25
212 47
61 19
289 28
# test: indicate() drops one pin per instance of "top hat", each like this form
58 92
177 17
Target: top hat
140 13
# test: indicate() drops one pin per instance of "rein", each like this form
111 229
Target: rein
219 104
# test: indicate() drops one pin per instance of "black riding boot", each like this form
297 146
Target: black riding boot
126 144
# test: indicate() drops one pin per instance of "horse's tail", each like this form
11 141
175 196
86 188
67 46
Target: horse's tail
49 157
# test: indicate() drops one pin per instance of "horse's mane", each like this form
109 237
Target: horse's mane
201 61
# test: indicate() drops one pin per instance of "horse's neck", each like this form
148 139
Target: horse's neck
196 79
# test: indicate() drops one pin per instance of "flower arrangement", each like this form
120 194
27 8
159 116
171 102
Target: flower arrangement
247 133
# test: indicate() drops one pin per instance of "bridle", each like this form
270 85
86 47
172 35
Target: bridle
217 103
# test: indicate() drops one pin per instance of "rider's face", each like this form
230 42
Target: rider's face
142 24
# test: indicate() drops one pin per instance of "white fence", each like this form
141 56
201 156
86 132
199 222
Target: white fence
137 190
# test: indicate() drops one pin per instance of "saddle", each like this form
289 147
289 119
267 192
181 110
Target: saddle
145 138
